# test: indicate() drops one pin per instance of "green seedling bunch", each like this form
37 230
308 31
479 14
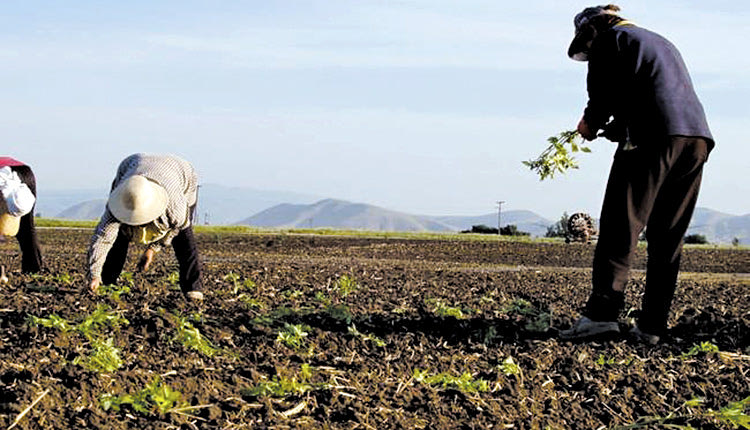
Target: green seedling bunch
173 279
442 309
102 317
283 386
345 285
464 382
535 320
352 329
190 337
293 335
155 398
104 357
734 415
702 348
53 321
557 158
509 367
237 284
332 304
113 291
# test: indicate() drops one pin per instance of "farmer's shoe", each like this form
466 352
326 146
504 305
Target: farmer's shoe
642 337
586 328
194 296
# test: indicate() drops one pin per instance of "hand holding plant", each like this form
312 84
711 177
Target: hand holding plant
556 158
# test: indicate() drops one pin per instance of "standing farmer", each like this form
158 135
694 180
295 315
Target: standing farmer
152 201
638 78
18 187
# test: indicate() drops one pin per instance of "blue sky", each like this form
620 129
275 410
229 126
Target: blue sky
419 106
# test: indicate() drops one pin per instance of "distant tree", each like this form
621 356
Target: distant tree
696 239
512 230
560 228
736 241
482 229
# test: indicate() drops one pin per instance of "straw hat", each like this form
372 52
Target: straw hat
137 200
8 223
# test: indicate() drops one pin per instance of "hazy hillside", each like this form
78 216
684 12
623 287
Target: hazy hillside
50 203
342 214
91 209
720 227
217 204
225 205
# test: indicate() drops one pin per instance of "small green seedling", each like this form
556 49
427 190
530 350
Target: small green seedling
464 382
190 337
293 335
155 397
104 357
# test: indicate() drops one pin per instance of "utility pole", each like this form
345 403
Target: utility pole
499 211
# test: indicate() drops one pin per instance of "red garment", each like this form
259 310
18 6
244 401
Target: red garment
7 161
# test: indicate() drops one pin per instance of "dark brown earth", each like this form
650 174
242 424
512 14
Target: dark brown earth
441 308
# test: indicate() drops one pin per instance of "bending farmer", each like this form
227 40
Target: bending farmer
18 187
152 201
638 78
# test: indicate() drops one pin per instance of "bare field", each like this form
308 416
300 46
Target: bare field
306 331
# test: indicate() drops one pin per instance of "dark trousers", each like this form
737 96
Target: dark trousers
31 254
185 250
656 189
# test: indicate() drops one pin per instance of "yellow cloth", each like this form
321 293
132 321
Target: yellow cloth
9 224
150 233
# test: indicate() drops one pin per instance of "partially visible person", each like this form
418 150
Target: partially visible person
152 202
641 96
18 188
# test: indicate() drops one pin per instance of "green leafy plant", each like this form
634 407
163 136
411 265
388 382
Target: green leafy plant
101 316
190 337
173 278
155 397
535 320
557 158
701 348
734 415
345 285
442 309
52 321
293 335
509 367
277 387
114 291
367 337
464 382
104 356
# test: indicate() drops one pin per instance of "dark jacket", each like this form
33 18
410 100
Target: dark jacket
639 78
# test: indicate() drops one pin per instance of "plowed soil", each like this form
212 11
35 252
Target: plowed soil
390 333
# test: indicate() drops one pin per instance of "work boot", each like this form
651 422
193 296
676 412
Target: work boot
586 328
642 337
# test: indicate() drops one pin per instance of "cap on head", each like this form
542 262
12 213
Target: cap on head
578 49
137 200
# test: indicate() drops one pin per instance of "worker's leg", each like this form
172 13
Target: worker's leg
186 252
31 254
666 227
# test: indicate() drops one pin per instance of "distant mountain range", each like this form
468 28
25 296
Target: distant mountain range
221 205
